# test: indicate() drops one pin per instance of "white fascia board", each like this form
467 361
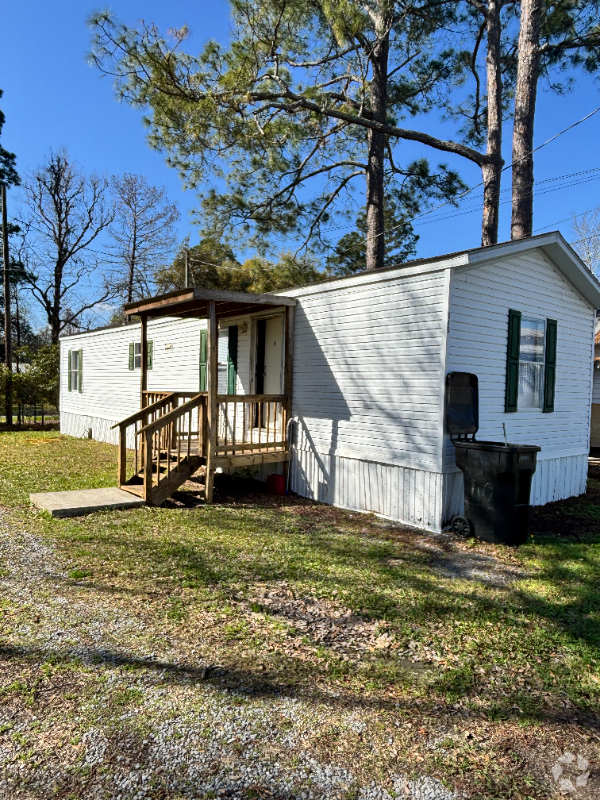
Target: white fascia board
108 331
153 324
569 263
383 276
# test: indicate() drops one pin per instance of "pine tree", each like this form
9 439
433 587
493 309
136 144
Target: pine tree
301 107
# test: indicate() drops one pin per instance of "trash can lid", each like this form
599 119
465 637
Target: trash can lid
473 444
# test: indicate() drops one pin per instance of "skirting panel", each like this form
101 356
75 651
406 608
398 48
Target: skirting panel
554 479
559 478
79 424
406 495
595 431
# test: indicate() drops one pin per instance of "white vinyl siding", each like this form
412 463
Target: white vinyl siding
368 366
480 299
112 390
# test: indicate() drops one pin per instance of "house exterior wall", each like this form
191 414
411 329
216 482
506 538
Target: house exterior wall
480 298
368 367
596 386
110 390
595 423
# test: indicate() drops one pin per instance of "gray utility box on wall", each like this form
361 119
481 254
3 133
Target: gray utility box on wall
497 476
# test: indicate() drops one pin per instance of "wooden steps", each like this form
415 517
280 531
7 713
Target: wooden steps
170 479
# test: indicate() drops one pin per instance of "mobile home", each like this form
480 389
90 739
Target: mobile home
343 381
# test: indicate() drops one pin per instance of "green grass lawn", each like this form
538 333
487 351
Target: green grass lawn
261 581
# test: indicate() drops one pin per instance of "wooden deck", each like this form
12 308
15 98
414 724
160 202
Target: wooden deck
175 433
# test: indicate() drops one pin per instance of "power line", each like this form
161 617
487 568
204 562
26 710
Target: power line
478 185
508 200
552 224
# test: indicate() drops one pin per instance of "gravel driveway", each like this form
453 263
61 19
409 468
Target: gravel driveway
88 710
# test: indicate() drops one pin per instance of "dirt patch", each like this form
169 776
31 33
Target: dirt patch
476 567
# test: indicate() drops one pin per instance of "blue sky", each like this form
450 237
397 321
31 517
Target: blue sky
53 98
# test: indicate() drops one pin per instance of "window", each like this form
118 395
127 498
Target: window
75 370
531 363
135 355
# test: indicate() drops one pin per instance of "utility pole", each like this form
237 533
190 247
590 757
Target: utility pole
7 328
188 274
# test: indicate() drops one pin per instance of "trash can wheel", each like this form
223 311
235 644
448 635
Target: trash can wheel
460 526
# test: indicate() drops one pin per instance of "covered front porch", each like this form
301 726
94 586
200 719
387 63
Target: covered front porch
175 433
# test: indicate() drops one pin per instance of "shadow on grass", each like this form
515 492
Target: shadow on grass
355 567
229 549
246 683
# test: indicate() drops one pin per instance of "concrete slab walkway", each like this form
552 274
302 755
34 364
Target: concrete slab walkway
84 501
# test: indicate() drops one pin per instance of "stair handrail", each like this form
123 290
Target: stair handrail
178 411
170 398
161 437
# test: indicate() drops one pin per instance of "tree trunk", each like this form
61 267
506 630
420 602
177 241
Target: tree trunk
130 282
17 329
132 261
525 97
54 330
376 156
54 313
492 173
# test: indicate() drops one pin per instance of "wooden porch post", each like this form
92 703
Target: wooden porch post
211 405
288 374
144 359
122 463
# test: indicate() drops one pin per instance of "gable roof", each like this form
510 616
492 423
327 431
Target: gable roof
553 244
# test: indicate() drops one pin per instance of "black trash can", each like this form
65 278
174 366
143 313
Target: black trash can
497 488
497 475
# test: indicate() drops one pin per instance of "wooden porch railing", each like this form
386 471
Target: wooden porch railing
249 423
169 438
151 397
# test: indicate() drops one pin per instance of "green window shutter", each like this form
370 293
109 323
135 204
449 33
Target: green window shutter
131 355
232 359
550 365
80 371
69 363
150 354
203 358
511 397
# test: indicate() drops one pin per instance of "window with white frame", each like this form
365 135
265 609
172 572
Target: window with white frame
135 355
531 363
75 370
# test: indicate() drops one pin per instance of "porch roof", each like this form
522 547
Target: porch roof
195 303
